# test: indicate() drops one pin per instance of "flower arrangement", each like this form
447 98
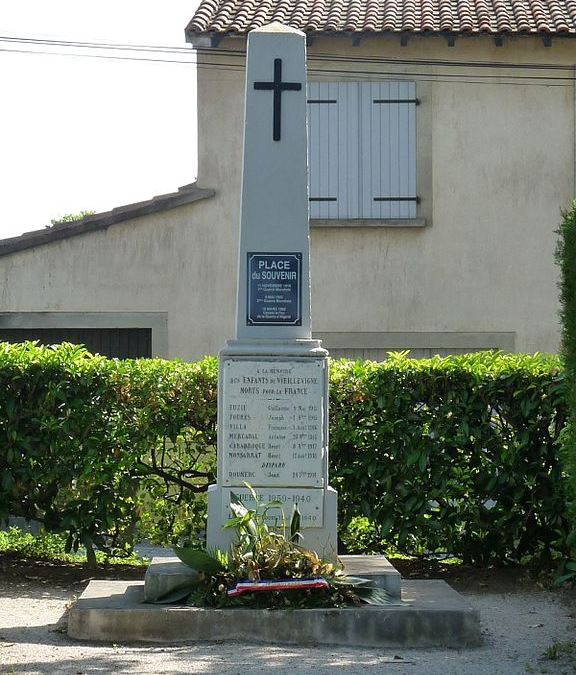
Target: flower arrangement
266 567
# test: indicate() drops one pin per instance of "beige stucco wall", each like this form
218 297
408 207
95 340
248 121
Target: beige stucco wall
500 165
167 262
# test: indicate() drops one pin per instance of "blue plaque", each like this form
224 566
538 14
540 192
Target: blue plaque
274 289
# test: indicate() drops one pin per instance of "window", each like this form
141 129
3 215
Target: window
362 150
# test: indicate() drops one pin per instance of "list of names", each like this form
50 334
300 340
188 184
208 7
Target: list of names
271 421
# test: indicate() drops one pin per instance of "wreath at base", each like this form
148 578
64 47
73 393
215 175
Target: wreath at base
266 568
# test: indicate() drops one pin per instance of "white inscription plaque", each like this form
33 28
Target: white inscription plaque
309 500
271 423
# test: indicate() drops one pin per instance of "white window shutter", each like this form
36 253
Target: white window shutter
348 155
323 149
362 149
388 150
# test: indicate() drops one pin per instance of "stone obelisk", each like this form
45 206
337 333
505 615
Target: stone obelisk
273 377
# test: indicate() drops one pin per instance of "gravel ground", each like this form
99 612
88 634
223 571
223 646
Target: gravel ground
517 628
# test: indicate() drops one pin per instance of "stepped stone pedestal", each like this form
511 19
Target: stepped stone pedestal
427 614
420 614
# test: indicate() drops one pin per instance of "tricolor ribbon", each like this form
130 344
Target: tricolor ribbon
275 585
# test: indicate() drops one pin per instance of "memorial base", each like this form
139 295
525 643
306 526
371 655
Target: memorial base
281 348
273 436
323 539
430 614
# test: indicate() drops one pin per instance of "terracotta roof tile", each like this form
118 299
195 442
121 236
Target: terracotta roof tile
359 16
446 14
430 15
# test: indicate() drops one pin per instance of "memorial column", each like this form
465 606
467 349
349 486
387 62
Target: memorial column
273 377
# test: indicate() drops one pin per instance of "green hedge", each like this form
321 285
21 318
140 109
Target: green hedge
89 446
457 455
566 259
95 448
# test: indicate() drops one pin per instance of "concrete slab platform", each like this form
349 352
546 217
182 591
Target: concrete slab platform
431 615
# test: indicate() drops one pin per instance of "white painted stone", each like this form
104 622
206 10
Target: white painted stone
273 377
274 202
323 539
273 422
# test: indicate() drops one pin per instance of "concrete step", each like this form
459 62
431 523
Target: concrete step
377 568
430 614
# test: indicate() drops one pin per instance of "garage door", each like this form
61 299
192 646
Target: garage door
122 343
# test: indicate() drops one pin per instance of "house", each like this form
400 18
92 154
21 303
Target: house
442 143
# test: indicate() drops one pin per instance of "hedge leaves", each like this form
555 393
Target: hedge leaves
456 455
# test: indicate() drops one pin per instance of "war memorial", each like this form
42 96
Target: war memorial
273 413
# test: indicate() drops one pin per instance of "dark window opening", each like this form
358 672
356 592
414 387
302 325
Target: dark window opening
122 343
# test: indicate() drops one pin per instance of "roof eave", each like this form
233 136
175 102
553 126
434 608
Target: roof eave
100 221
207 39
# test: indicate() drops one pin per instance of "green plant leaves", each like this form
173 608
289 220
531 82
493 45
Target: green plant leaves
374 596
200 560
89 446
566 257
457 454
295 523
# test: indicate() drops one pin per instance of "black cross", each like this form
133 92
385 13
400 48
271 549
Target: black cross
277 87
